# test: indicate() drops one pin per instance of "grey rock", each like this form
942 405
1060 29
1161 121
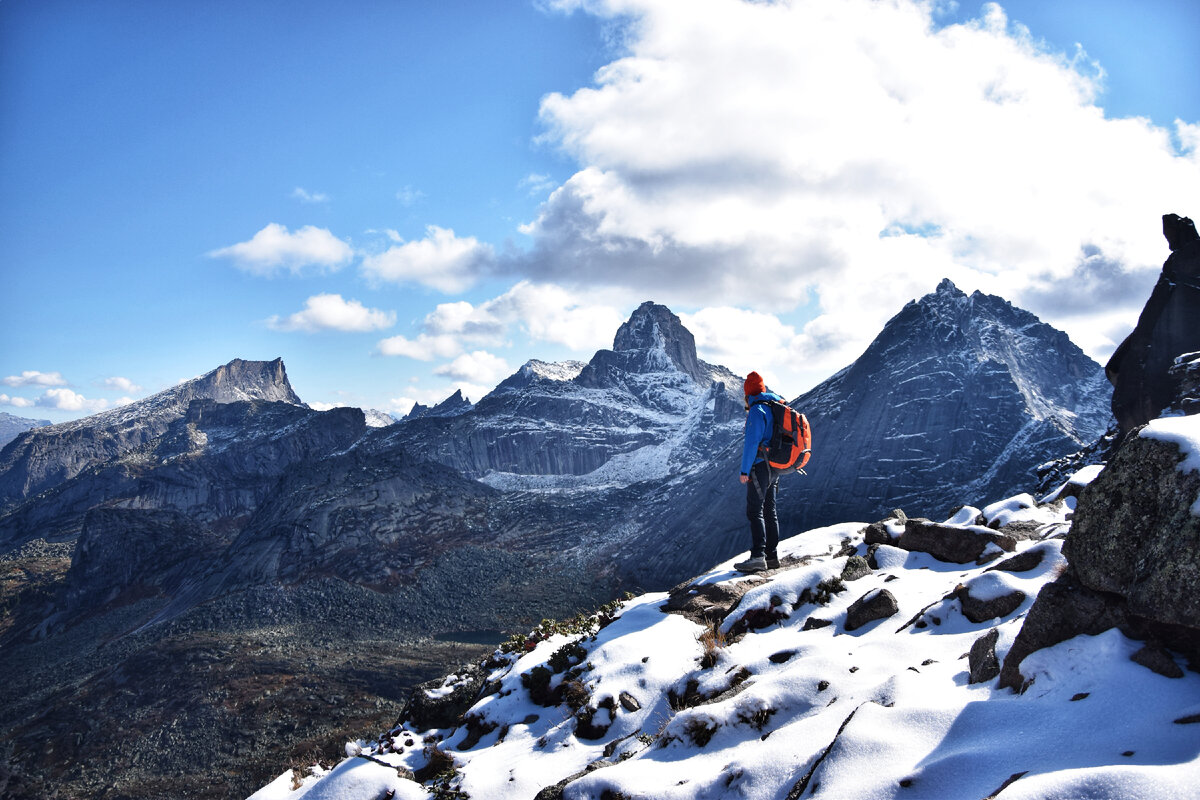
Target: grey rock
874 605
1154 657
982 661
952 543
1022 562
981 610
1135 535
856 567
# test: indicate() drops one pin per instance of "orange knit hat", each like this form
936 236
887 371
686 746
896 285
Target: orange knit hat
754 384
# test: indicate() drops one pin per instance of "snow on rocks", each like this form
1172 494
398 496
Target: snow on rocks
763 687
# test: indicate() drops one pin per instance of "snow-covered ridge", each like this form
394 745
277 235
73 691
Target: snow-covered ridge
555 371
789 691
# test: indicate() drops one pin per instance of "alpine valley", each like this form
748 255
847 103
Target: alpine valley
204 586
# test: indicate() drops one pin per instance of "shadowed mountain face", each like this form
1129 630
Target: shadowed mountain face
957 397
224 507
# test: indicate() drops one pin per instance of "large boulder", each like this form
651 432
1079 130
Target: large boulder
1136 533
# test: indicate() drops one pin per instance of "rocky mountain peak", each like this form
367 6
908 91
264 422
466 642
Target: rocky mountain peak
653 339
248 380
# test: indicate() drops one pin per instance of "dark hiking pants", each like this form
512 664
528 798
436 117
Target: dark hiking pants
760 510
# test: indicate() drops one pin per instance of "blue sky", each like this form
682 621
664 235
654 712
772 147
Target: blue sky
404 198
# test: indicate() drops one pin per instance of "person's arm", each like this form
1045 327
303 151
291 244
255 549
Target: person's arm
754 436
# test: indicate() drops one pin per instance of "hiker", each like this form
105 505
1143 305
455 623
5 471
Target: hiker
760 480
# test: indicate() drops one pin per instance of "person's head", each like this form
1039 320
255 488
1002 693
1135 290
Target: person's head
754 385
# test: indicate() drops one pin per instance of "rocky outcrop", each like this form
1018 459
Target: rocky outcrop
1136 533
1139 369
954 543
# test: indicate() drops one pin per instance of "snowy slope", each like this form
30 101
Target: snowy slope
780 696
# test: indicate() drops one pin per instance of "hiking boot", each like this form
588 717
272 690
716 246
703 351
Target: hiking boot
753 565
772 563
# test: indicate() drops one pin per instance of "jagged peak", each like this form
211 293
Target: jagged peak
654 327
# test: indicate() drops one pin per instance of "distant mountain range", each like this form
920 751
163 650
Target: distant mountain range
225 504
11 426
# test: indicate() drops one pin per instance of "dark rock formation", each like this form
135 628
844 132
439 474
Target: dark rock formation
1136 533
982 661
876 604
1139 369
981 609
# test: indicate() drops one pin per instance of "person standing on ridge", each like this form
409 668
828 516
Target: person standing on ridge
760 480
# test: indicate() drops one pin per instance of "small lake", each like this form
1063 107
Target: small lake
473 637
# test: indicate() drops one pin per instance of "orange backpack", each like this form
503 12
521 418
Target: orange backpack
791 438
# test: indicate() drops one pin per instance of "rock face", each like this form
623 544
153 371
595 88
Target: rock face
1139 369
45 457
957 397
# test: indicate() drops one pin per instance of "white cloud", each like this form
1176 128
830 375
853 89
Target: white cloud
423 348
16 402
408 196
543 312
848 152
479 366
32 377
67 400
274 248
535 183
305 196
441 260
119 384
332 312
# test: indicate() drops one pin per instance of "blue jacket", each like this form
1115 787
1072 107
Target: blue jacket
759 427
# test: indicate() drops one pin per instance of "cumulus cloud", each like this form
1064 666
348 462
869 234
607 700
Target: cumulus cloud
441 261
305 196
16 402
275 249
119 384
67 400
32 377
423 347
479 366
544 313
851 153
332 312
